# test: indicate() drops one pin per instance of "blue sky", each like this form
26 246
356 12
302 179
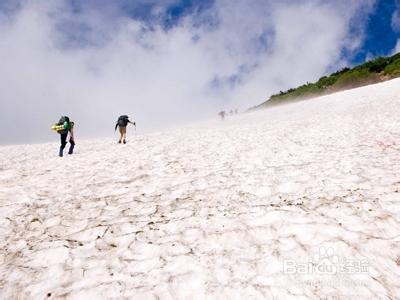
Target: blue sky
380 36
173 61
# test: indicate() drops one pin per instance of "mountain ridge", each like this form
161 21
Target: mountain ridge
374 71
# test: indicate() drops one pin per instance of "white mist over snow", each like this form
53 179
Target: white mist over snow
294 202
97 63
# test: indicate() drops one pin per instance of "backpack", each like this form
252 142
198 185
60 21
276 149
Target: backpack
123 121
64 121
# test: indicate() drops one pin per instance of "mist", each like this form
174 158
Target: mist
96 63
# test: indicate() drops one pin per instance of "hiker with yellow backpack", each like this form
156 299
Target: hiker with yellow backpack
65 127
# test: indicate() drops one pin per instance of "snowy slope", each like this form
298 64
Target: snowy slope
295 202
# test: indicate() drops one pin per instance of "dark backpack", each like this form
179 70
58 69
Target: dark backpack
64 120
123 121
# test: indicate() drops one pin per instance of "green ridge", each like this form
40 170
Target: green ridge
374 71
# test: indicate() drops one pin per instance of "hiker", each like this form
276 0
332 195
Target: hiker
222 114
65 127
122 123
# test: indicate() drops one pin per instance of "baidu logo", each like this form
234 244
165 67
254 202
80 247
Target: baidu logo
325 262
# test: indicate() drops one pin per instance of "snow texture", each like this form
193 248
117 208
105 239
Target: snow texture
295 202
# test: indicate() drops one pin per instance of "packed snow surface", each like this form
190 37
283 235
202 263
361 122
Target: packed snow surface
294 202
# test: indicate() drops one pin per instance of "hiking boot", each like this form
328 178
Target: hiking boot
71 149
60 154
119 142
124 142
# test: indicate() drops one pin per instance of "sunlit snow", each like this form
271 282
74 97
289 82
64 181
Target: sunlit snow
294 202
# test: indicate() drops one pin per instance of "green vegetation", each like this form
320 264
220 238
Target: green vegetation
377 70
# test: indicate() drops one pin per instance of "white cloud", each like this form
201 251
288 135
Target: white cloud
94 66
396 48
396 17
396 21
396 25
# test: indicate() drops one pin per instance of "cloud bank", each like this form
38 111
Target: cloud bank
94 62
396 25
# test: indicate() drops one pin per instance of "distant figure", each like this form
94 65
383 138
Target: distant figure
122 123
63 127
231 112
222 114
236 111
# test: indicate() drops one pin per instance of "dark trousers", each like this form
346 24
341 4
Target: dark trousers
63 137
